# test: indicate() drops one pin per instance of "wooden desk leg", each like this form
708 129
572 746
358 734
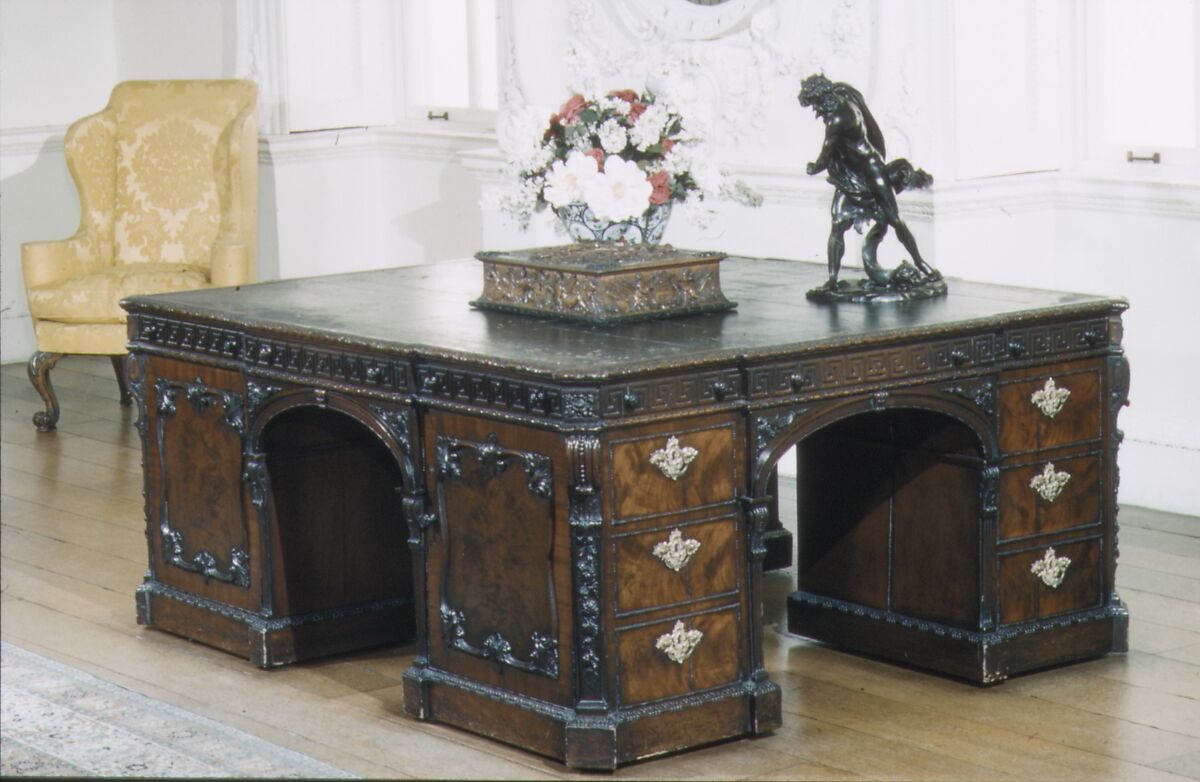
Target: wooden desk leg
777 539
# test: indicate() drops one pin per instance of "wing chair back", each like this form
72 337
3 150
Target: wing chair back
167 176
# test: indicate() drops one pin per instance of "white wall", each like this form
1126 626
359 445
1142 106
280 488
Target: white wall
985 97
329 201
975 93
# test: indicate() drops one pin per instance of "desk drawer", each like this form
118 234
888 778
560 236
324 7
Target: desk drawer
1065 586
1049 411
1030 506
675 564
678 655
669 472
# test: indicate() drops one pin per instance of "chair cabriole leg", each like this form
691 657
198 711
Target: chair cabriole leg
39 368
118 364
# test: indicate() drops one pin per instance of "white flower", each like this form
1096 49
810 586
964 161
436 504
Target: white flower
522 141
566 181
517 201
620 193
648 129
612 137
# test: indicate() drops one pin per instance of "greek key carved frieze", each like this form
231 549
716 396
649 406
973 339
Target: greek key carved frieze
670 393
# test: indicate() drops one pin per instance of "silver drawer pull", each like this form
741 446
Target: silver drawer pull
675 552
678 644
672 459
1049 483
1050 398
1051 569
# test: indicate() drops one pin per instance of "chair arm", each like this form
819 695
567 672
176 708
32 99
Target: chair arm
231 264
48 262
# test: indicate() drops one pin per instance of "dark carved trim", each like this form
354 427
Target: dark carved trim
256 395
201 398
585 518
539 470
821 374
396 422
135 370
539 480
503 393
257 622
999 635
673 392
832 372
542 660
989 512
768 427
981 393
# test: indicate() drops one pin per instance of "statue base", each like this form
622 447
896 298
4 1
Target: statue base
906 284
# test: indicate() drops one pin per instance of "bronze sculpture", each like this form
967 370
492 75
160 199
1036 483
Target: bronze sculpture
853 154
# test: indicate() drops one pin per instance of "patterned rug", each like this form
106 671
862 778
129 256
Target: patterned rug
60 721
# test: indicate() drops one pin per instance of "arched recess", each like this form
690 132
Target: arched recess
894 499
328 477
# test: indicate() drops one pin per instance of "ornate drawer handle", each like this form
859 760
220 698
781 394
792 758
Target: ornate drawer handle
1051 569
1049 483
672 459
678 644
675 552
1050 399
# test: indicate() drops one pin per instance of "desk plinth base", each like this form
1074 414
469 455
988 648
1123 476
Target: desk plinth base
981 657
600 739
272 641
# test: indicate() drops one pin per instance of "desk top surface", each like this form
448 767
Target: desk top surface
425 310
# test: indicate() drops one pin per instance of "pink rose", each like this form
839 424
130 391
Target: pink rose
596 154
570 110
661 182
635 111
629 96
667 143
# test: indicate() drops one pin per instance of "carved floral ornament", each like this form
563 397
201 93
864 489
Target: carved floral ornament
675 552
1051 569
678 644
673 459
1049 483
1050 399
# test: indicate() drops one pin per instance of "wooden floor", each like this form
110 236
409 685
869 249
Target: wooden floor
74 549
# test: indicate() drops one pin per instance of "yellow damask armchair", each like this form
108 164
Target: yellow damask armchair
167 176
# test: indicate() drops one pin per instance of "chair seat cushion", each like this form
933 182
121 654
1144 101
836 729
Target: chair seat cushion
95 298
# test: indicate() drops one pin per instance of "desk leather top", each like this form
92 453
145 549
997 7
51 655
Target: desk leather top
425 310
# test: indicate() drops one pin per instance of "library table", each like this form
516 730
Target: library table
571 521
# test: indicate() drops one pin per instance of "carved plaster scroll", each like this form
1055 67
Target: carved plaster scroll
1051 569
1050 399
1049 483
675 552
679 644
673 459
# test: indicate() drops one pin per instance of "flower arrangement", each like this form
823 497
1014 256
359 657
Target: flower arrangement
622 159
